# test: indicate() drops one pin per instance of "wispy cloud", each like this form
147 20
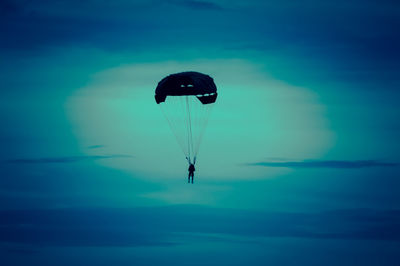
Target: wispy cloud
204 5
95 146
325 164
67 159
22 250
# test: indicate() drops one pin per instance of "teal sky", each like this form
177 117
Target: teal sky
302 143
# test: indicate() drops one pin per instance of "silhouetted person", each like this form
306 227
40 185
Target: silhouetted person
191 172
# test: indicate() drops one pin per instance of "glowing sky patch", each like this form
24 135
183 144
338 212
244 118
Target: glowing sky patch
255 117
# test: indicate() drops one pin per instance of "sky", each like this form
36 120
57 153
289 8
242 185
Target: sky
299 164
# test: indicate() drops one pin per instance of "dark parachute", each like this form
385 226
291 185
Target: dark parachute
187 83
186 100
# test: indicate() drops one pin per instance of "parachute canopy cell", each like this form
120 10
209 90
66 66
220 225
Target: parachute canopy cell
187 83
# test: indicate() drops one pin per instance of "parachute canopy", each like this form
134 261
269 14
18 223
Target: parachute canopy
186 100
187 83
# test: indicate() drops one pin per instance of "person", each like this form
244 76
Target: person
191 172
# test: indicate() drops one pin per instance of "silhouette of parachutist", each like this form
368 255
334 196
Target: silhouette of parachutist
191 172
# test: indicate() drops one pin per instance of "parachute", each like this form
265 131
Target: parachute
186 100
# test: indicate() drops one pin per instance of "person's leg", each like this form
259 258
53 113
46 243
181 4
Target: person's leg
192 177
189 178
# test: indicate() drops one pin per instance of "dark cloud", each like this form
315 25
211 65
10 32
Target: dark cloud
39 32
8 8
326 164
23 251
68 159
159 225
204 5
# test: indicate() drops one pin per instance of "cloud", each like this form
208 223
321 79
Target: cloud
204 5
8 8
325 164
95 146
68 159
162 225
23 251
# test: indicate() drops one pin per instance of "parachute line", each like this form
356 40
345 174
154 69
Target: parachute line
170 123
187 117
189 126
